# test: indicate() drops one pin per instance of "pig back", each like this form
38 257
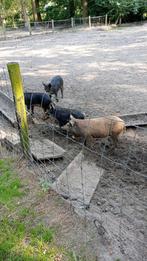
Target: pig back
99 127
116 126
91 127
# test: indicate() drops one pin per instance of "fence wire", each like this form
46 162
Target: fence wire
117 210
35 28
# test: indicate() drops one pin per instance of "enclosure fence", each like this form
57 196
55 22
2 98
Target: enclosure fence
117 208
34 28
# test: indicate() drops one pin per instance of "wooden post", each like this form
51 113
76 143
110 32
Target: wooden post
89 21
18 95
72 22
53 25
4 28
106 20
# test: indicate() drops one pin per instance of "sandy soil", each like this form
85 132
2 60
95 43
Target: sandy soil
104 72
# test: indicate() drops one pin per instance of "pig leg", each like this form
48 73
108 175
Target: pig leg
115 141
56 97
88 141
32 109
46 114
62 91
28 108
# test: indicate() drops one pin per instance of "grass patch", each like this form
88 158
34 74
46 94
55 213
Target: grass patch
40 232
9 183
20 240
26 212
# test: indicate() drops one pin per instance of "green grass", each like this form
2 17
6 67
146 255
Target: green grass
26 212
9 183
40 232
19 242
20 239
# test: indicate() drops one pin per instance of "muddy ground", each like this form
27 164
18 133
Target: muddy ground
104 72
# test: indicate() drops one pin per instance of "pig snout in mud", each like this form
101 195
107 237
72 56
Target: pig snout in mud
33 99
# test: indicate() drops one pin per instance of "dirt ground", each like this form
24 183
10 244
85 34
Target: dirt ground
104 72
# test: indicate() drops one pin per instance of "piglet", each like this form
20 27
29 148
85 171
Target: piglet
54 86
33 99
62 115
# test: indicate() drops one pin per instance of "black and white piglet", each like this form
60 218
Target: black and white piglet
33 99
54 86
62 115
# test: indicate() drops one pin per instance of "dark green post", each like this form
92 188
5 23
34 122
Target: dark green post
18 95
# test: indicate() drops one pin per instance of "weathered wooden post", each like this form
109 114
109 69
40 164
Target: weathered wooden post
106 20
89 21
72 22
53 26
18 95
4 29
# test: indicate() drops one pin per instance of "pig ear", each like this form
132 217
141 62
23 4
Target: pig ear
71 117
52 106
44 84
71 120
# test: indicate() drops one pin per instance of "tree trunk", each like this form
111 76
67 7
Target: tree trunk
38 11
24 12
34 11
116 22
85 8
71 8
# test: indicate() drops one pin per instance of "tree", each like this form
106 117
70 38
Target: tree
13 11
71 5
117 9
34 12
37 5
85 8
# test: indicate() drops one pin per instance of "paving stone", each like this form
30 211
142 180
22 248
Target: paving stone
7 109
79 180
45 149
137 119
8 134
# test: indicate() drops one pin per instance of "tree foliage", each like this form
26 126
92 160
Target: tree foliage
16 10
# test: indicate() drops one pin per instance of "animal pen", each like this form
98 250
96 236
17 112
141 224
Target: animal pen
106 190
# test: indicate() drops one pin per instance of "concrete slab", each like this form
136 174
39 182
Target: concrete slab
45 149
7 109
8 134
79 181
137 119
12 139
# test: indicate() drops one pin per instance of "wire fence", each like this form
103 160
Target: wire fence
33 28
116 210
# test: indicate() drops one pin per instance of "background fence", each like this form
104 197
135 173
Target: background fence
33 28
116 212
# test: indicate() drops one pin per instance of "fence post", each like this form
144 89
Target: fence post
106 19
4 29
18 95
53 27
29 27
72 22
89 21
